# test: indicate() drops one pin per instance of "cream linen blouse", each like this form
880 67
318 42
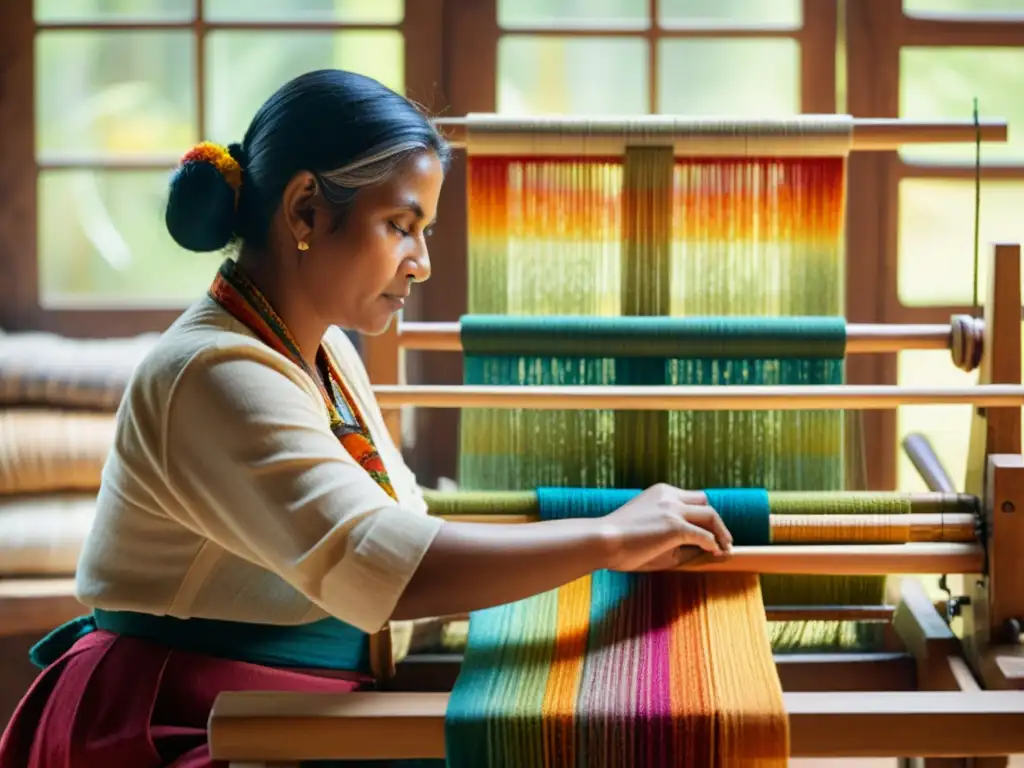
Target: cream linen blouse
227 496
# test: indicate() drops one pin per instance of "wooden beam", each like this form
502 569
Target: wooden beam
928 638
798 672
867 134
276 726
817 529
696 398
861 338
995 473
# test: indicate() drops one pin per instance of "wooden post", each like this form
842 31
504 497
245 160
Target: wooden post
994 464
995 473
382 358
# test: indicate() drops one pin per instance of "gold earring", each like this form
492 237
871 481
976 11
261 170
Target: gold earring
303 245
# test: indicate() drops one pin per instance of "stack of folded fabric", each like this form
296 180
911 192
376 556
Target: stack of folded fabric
58 398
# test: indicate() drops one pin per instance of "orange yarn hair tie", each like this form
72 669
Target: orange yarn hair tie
220 158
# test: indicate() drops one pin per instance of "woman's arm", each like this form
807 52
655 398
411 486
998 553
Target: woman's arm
470 566
476 565
255 468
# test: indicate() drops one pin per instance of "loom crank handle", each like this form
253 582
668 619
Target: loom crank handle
954 604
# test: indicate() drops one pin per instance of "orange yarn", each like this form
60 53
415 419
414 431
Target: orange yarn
220 158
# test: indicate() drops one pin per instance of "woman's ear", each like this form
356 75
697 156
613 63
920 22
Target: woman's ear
297 205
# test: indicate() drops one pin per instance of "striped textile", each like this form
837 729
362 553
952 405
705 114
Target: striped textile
42 535
44 369
48 451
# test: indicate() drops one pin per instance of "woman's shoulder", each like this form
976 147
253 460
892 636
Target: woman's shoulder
202 348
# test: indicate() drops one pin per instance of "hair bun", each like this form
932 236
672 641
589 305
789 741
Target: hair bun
238 153
203 198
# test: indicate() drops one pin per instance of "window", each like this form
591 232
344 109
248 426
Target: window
639 57
124 87
951 52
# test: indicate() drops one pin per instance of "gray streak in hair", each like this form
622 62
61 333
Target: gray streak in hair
374 167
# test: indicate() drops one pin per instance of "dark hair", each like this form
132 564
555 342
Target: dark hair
346 128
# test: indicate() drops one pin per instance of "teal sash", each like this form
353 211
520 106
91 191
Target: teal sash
325 644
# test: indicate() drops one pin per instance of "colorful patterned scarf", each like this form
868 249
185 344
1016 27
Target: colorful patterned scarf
243 300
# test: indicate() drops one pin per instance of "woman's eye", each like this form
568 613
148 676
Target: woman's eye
399 230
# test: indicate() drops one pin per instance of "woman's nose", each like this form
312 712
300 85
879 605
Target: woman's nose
419 264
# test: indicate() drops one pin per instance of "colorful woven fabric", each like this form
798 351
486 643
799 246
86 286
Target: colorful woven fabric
649 269
623 670
646 252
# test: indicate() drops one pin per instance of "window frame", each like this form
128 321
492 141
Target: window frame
21 306
875 33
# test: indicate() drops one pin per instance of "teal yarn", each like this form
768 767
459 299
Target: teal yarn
781 450
566 503
745 511
678 338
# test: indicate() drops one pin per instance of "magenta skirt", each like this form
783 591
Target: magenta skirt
118 701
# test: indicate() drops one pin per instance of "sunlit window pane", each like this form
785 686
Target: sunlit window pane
350 11
712 77
579 14
964 7
948 427
936 236
572 75
86 11
115 93
747 13
102 241
244 68
941 84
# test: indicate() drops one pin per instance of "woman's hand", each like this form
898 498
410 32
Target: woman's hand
470 566
647 533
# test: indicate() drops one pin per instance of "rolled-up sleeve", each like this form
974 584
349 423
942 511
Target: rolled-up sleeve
257 470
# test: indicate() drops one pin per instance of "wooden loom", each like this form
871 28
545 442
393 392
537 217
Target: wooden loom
976 708
935 694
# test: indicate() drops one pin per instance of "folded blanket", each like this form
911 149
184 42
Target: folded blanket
47 451
43 535
47 369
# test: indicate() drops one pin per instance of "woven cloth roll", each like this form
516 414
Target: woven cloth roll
47 369
46 451
43 535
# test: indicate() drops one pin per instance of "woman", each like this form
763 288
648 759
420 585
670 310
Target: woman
255 522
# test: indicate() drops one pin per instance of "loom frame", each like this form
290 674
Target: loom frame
936 695
976 671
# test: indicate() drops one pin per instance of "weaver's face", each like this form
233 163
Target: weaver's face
372 260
